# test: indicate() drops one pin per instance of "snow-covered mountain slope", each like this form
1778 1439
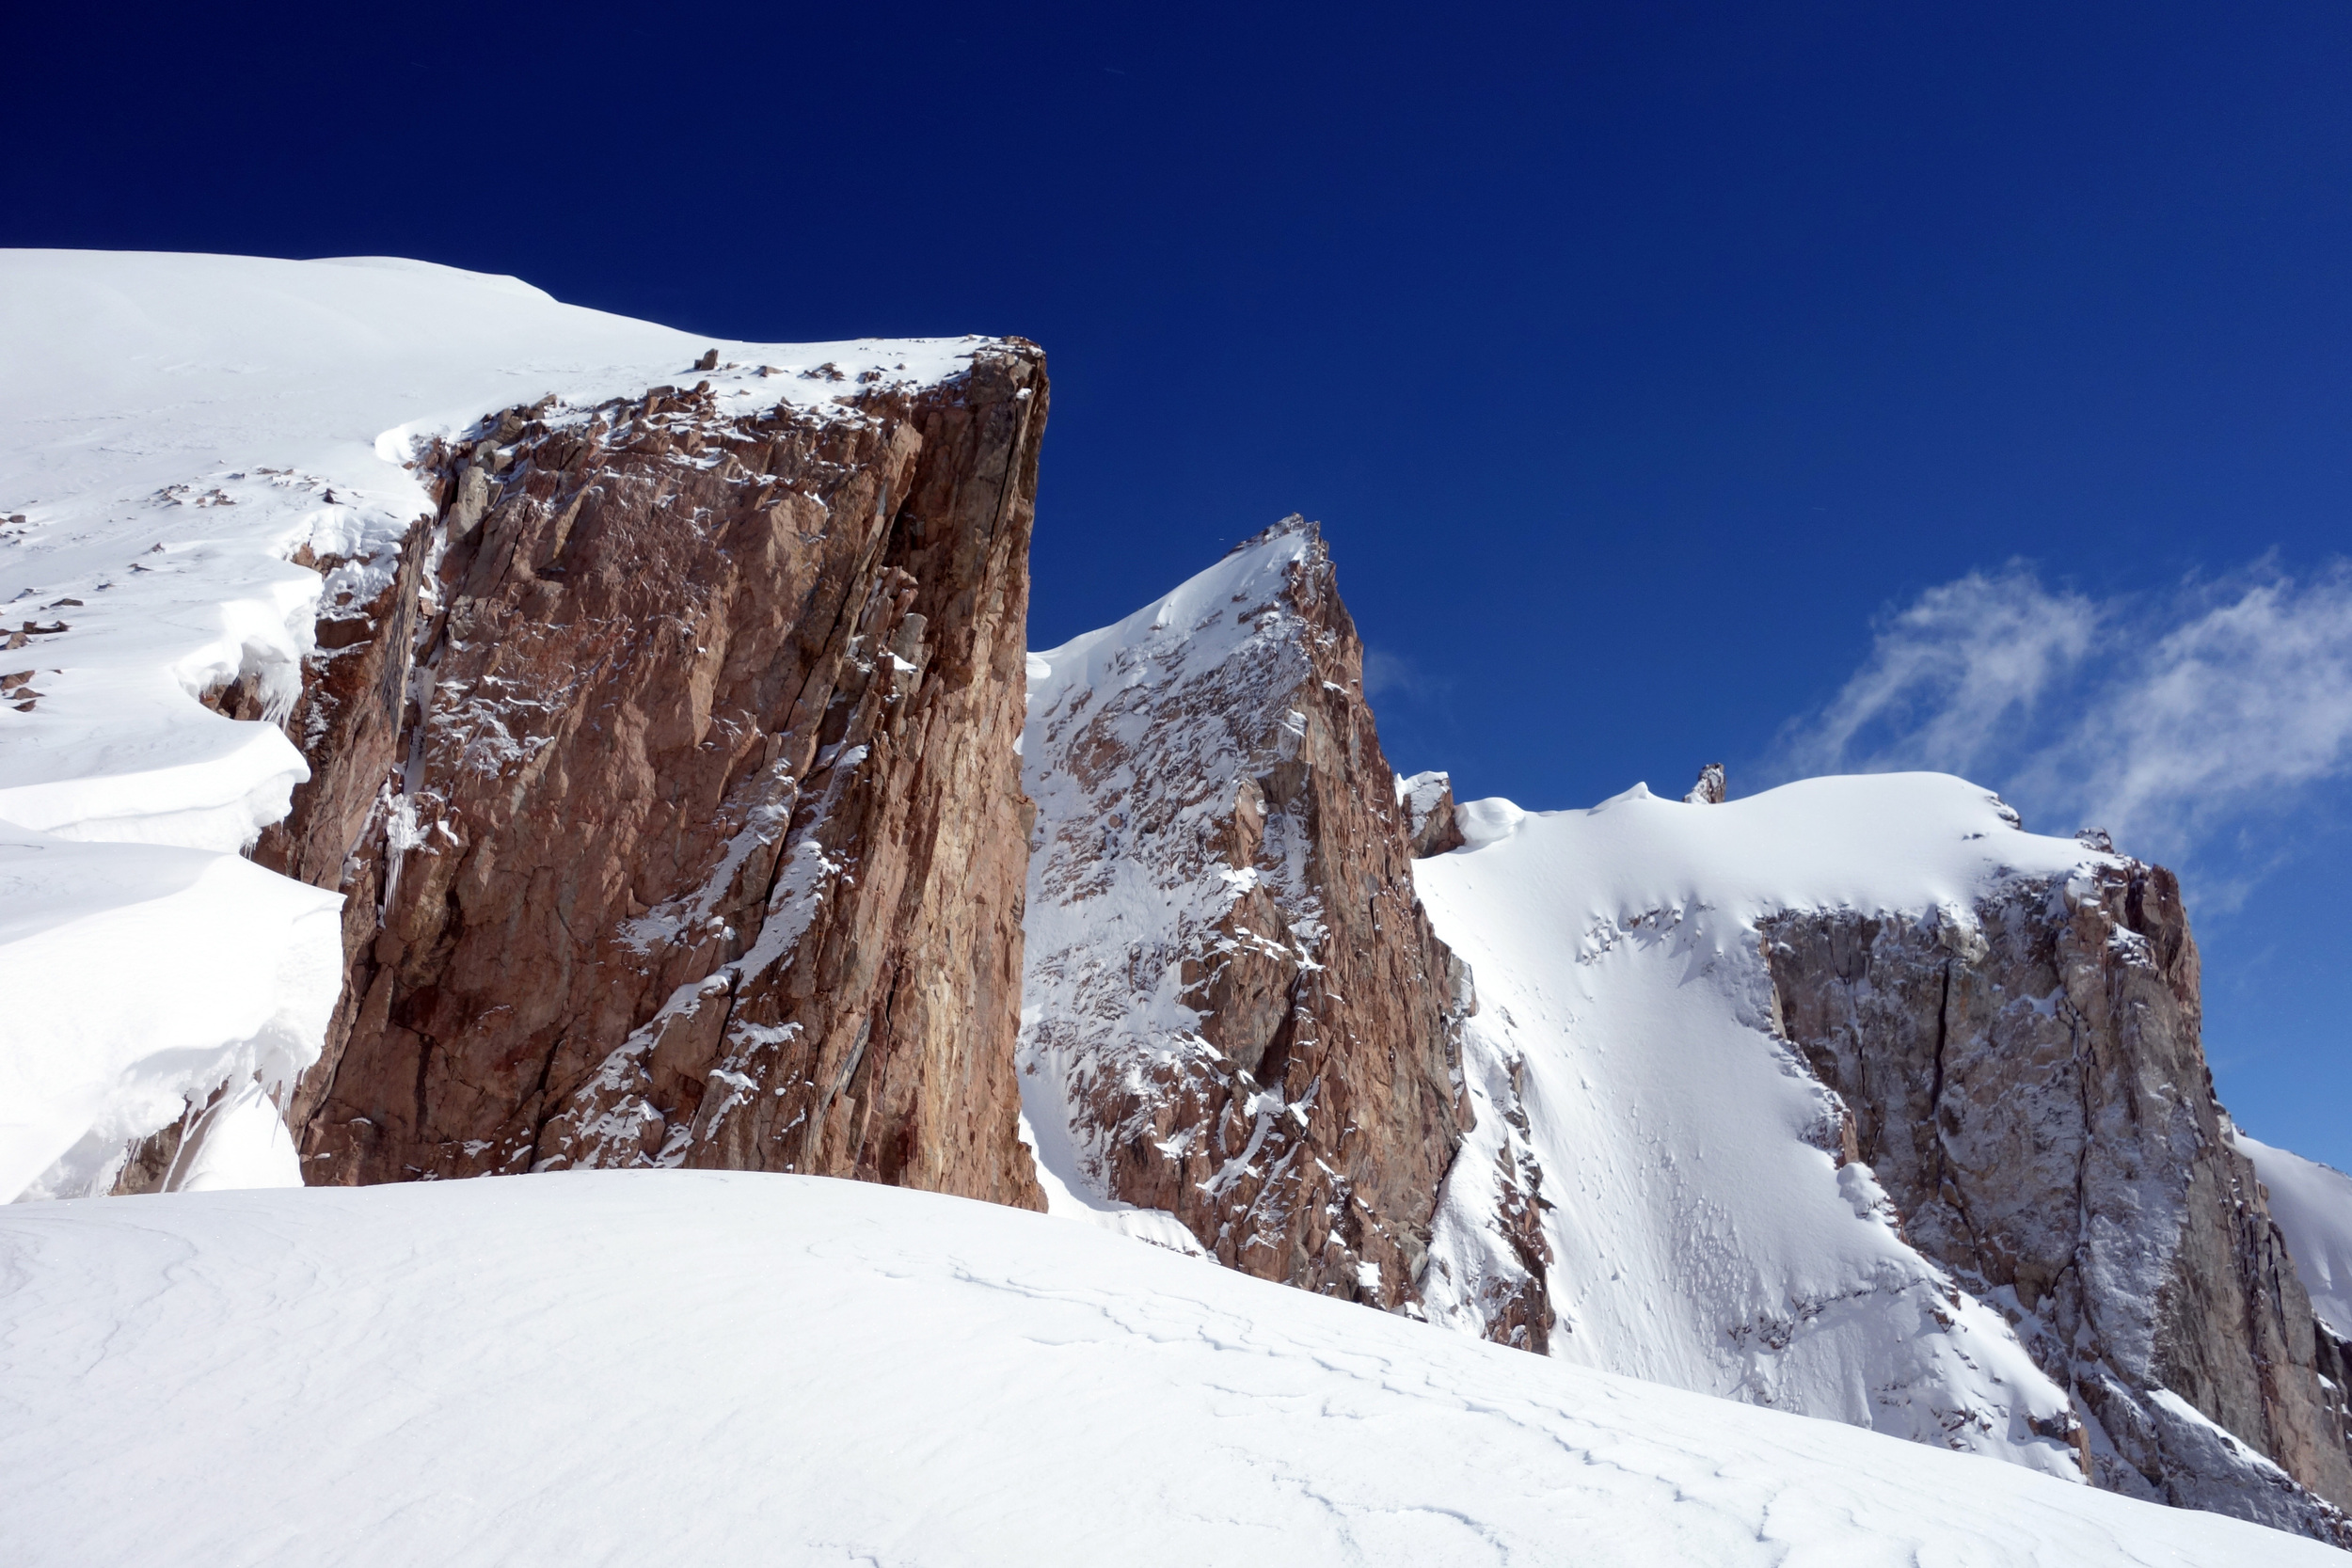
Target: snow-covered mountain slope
1717 1141
2312 1204
1703 1231
1726 1035
201 456
660 1367
2026 1078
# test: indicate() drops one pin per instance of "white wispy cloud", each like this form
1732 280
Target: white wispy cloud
1388 674
1950 677
2167 719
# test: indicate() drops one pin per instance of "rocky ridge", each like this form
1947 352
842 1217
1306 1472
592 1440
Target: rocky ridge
1162 927
1427 800
670 780
1235 1010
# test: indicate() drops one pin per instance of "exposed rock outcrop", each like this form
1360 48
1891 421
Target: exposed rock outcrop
1428 802
689 829
1235 1002
2027 1079
1710 788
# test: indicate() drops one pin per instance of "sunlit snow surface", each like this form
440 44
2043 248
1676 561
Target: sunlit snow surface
658 1367
1702 1234
131 974
172 430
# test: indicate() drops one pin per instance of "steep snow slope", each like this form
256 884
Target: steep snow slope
687 1367
2312 1204
176 434
1704 1232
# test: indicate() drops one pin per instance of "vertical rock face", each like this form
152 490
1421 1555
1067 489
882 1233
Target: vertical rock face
2027 1079
688 830
1235 1010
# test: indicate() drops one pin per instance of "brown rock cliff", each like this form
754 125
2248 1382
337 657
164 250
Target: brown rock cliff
689 829
1236 1001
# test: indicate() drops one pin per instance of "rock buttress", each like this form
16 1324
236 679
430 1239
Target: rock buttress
700 837
2027 1079
1236 1009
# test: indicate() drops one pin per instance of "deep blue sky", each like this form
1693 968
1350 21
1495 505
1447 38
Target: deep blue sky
1636 357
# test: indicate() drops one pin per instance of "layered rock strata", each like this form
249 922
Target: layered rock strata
2025 1078
674 790
1235 1009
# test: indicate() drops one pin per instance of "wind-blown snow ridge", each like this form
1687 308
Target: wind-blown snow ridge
200 453
889 1377
1704 1232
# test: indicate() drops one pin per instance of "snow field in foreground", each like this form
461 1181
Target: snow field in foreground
703 1368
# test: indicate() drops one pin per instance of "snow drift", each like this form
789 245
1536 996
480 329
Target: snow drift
691 1367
